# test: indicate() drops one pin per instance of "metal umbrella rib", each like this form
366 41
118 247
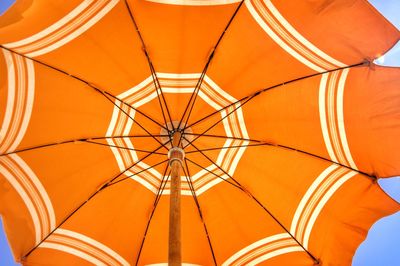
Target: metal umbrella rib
259 92
156 82
101 188
276 145
243 189
192 190
104 93
203 73
160 190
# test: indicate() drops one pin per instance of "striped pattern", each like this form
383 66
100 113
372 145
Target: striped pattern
331 92
79 20
84 247
312 203
288 38
263 250
204 180
195 2
212 94
20 96
31 191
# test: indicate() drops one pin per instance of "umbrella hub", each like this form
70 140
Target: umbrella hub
176 154
166 135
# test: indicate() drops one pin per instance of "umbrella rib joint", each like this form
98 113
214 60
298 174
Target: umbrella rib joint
176 156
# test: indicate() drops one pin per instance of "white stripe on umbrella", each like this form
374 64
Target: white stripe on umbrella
30 189
20 96
314 200
288 38
331 113
340 118
21 88
263 250
79 20
328 194
211 93
84 247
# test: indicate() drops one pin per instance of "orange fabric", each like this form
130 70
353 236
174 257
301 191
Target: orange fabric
369 118
293 80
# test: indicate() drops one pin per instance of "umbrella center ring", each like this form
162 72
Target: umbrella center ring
167 130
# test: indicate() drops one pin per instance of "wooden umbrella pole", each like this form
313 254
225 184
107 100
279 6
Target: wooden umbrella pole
176 156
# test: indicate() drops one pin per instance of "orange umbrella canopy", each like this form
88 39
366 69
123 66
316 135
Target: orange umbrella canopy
286 125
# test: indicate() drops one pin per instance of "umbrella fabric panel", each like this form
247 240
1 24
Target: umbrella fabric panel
243 67
16 218
38 16
317 201
282 45
348 31
51 182
18 90
242 232
278 176
372 109
358 204
288 115
344 116
44 106
109 228
180 38
93 40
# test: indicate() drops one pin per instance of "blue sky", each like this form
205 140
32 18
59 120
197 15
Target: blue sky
382 246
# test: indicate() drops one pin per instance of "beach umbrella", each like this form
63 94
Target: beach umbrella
213 132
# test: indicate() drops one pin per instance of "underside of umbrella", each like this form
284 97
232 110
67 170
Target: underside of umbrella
264 125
